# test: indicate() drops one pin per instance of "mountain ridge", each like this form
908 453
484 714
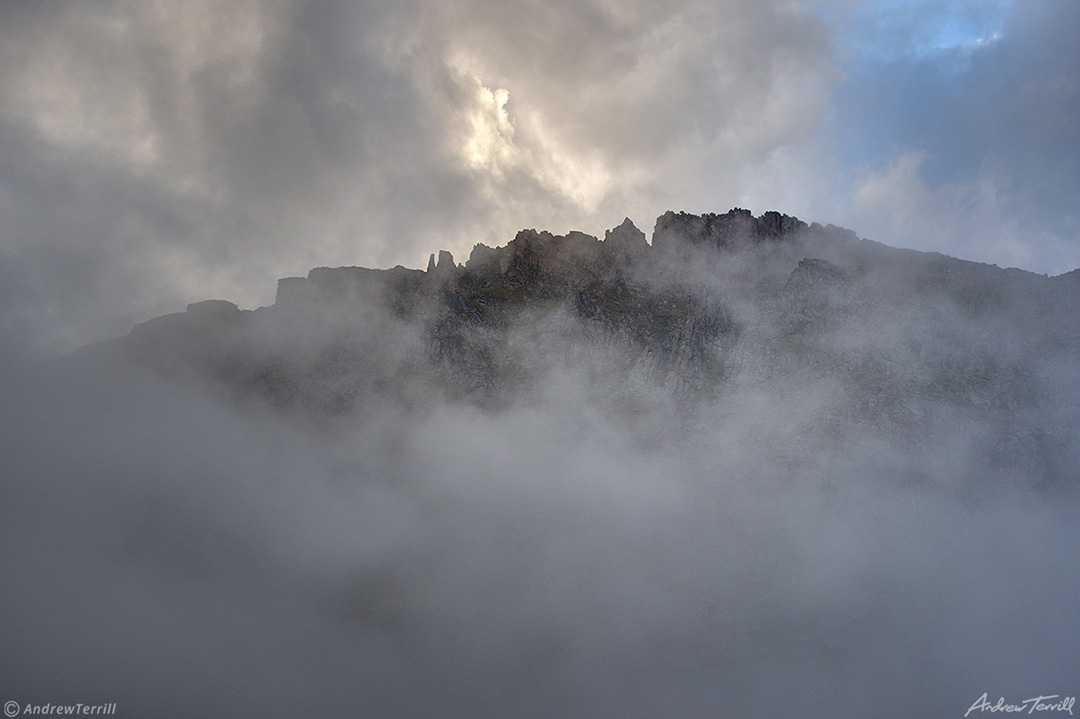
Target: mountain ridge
896 343
623 279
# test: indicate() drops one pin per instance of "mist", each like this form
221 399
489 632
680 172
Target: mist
341 505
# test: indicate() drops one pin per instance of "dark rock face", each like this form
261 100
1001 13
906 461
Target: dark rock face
732 228
717 303
627 239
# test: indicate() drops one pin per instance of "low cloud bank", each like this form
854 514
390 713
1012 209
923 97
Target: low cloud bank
585 548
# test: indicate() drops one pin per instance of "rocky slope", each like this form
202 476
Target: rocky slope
866 340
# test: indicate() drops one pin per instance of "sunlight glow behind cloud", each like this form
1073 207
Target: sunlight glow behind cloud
492 142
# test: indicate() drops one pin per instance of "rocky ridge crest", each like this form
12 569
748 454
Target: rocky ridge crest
714 305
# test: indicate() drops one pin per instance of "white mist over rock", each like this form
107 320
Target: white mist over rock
754 468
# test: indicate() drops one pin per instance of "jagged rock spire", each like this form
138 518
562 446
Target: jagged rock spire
626 237
444 263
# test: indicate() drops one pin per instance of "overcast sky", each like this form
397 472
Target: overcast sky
157 152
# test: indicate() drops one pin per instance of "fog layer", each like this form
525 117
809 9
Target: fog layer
754 469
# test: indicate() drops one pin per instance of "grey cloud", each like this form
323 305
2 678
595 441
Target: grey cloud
632 81
224 145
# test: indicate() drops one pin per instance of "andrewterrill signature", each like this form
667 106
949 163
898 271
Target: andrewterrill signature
1049 703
